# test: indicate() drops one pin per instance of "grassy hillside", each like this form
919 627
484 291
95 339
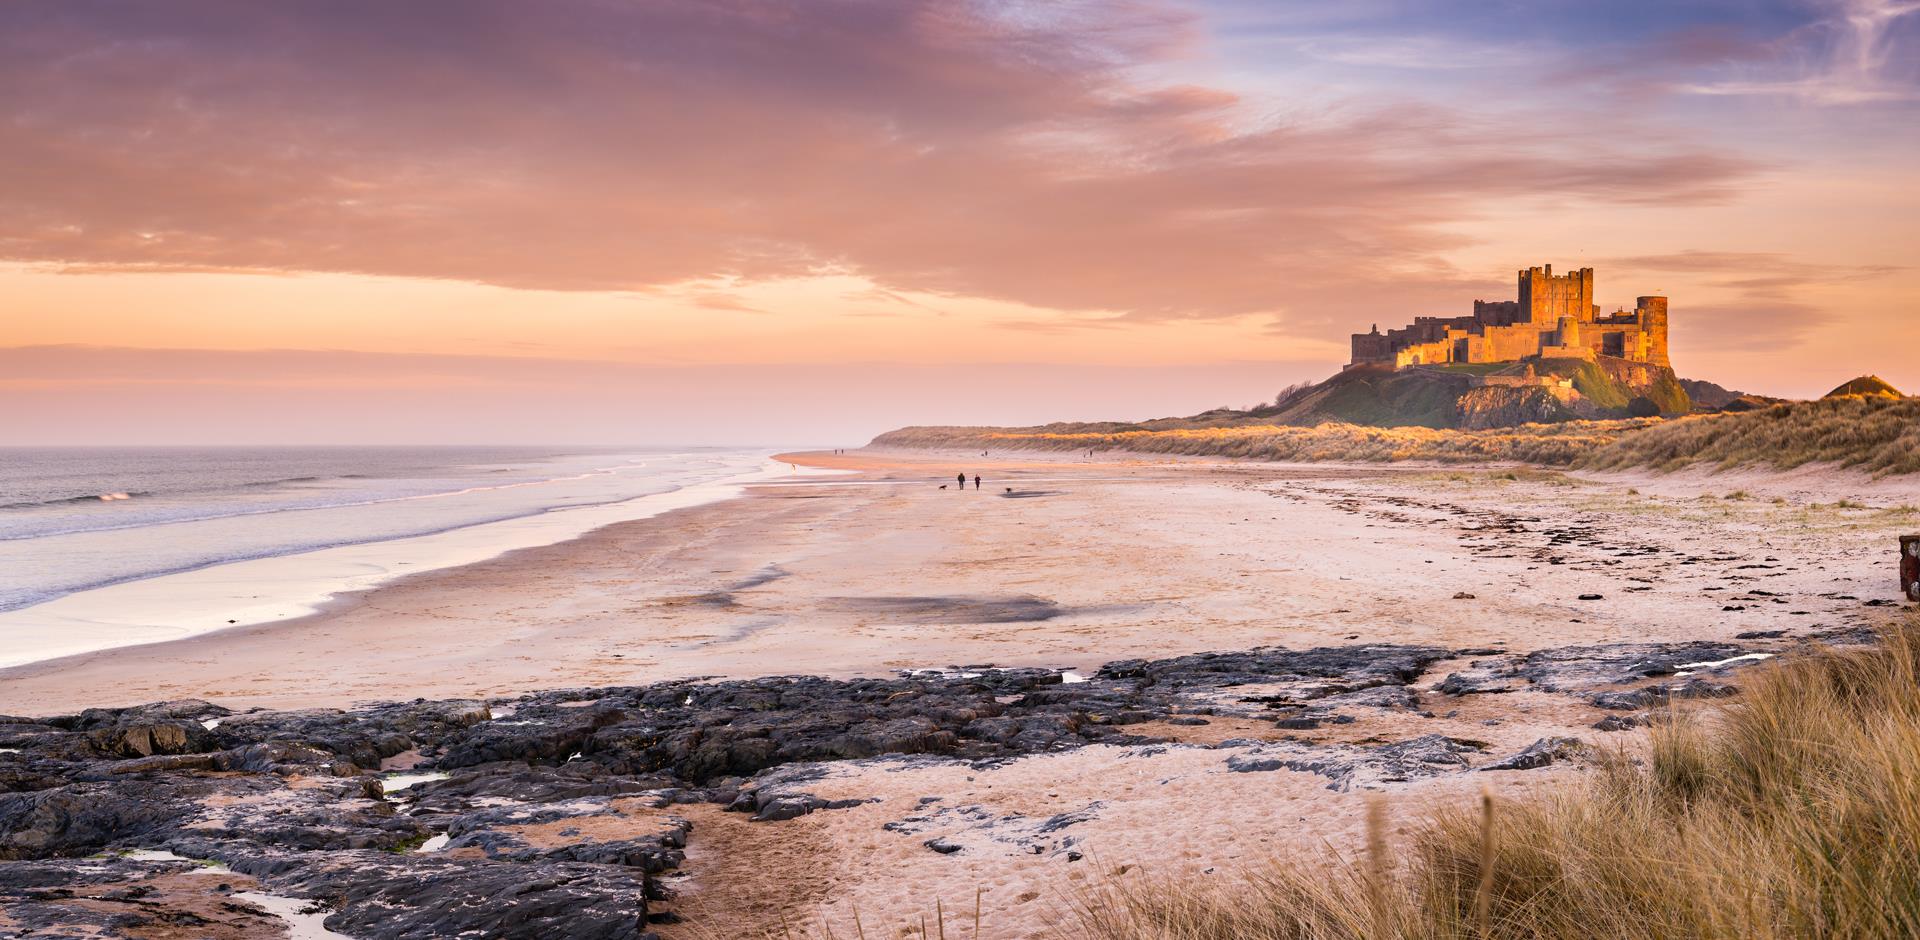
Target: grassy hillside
1875 434
1431 396
1869 385
1410 398
1546 444
1341 418
1878 435
1792 812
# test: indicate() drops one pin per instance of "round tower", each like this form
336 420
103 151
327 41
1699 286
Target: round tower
1569 330
1653 322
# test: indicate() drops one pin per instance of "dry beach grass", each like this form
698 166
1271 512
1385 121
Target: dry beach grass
1793 812
1549 444
1875 434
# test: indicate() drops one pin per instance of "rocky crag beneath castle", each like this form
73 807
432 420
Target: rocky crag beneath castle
566 813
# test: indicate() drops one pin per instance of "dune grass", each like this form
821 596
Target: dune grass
1545 444
1878 435
1794 811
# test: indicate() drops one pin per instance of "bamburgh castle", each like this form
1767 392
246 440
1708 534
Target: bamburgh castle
1555 317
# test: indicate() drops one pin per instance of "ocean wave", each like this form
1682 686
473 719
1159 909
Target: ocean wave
76 500
16 600
92 524
260 484
116 496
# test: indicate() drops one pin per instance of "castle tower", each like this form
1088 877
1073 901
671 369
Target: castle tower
1652 312
1568 331
1544 298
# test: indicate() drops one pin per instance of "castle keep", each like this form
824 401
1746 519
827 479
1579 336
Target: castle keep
1555 317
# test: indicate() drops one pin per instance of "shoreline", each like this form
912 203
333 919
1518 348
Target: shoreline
284 589
876 570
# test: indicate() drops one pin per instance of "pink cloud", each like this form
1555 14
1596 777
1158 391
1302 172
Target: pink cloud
931 146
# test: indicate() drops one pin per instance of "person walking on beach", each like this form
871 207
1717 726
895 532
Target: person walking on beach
976 481
963 481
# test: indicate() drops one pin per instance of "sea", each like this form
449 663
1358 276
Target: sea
78 521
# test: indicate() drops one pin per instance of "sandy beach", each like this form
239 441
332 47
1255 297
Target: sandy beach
1084 561
1071 563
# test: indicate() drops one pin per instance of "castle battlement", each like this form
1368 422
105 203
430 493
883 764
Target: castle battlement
1554 317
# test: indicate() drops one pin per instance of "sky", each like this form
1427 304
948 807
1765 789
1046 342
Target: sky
734 222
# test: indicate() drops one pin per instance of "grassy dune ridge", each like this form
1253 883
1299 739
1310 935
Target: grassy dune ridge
1792 812
1878 435
1549 444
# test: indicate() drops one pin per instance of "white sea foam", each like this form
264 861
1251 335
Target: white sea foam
1691 668
264 590
407 779
303 921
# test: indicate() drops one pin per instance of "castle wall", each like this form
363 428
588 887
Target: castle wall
1420 354
1507 343
1497 312
1371 347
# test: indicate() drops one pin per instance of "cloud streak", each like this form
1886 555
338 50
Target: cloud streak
947 148
1777 297
88 394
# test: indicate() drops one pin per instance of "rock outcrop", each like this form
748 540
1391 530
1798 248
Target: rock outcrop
564 813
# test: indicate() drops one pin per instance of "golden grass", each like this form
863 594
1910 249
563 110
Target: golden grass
1547 444
1878 435
1793 812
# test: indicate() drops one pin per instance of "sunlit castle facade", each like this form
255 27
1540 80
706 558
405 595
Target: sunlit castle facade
1555 317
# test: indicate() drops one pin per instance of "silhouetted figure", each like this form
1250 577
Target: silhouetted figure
963 481
976 481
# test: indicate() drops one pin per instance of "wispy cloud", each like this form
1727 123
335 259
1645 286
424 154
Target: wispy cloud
723 301
1843 59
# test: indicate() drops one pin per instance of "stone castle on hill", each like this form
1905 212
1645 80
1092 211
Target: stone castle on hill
1554 318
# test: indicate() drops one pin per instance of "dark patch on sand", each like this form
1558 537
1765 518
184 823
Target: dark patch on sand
724 599
765 575
1012 608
